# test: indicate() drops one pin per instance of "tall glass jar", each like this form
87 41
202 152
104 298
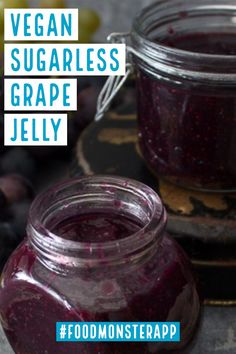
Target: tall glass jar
96 250
184 52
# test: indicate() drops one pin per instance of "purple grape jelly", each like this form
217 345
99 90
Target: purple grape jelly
97 227
185 56
96 250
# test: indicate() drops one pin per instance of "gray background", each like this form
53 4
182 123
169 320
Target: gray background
217 333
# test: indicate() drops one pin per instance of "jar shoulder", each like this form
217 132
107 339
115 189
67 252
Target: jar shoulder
167 264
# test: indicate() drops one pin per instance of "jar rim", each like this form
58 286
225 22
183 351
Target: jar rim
177 61
44 240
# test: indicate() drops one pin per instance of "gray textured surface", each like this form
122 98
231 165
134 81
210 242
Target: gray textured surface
217 333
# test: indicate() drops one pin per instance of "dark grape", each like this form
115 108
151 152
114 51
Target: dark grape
19 212
1 97
43 153
15 188
4 255
20 161
8 236
8 242
84 82
87 106
2 148
127 101
3 201
73 132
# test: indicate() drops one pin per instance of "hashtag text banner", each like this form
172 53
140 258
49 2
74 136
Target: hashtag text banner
118 332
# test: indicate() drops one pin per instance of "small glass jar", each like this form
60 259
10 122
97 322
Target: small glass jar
184 53
96 251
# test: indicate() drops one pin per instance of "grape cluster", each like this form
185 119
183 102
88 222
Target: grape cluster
16 194
20 167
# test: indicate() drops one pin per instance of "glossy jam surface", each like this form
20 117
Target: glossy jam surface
96 227
188 130
207 43
33 298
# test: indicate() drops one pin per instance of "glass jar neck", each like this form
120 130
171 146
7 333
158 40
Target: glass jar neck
117 196
183 17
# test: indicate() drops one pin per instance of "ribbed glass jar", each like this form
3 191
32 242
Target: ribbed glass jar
185 58
96 250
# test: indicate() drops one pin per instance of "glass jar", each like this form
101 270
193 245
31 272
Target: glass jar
184 52
96 250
